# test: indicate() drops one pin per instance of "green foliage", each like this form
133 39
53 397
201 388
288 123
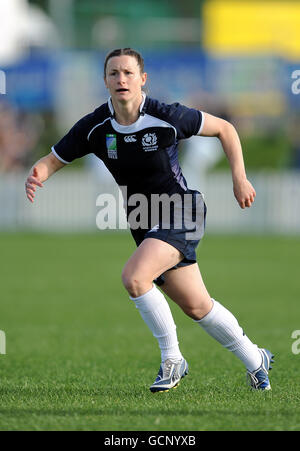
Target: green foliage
263 152
41 3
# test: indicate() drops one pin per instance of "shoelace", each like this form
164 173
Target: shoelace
254 380
167 369
168 366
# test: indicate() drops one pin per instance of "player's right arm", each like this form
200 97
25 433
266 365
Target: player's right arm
73 145
40 172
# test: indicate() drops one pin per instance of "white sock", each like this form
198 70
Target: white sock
223 326
156 313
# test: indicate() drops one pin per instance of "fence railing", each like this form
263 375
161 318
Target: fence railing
68 203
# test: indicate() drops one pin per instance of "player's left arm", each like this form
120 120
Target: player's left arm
217 127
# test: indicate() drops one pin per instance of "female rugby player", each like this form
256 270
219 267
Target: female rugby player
137 137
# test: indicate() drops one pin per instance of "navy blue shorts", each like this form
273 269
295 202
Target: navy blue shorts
184 238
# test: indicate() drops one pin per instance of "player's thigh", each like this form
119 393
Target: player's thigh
150 260
185 286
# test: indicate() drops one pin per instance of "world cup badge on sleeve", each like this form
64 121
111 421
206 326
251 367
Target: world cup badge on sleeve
111 145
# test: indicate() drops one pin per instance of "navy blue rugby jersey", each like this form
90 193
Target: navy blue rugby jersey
142 156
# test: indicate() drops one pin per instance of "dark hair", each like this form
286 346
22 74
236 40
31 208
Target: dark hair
126 51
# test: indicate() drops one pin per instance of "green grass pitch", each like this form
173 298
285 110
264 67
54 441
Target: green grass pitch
79 357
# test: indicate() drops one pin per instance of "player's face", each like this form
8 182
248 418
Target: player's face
124 79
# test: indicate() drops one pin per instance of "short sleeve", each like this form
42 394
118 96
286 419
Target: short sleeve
74 144
187 121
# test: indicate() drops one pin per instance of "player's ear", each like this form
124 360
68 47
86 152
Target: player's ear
144 78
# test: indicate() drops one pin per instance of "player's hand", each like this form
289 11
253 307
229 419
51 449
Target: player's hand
244 193
33 180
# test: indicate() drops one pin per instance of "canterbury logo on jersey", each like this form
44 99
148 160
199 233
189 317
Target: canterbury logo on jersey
130 139
155 228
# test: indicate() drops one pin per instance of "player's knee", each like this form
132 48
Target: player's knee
127 281
135 284
197 312
194 313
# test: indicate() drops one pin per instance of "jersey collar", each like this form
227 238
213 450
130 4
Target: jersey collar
112 111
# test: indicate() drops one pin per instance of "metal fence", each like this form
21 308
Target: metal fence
68 203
